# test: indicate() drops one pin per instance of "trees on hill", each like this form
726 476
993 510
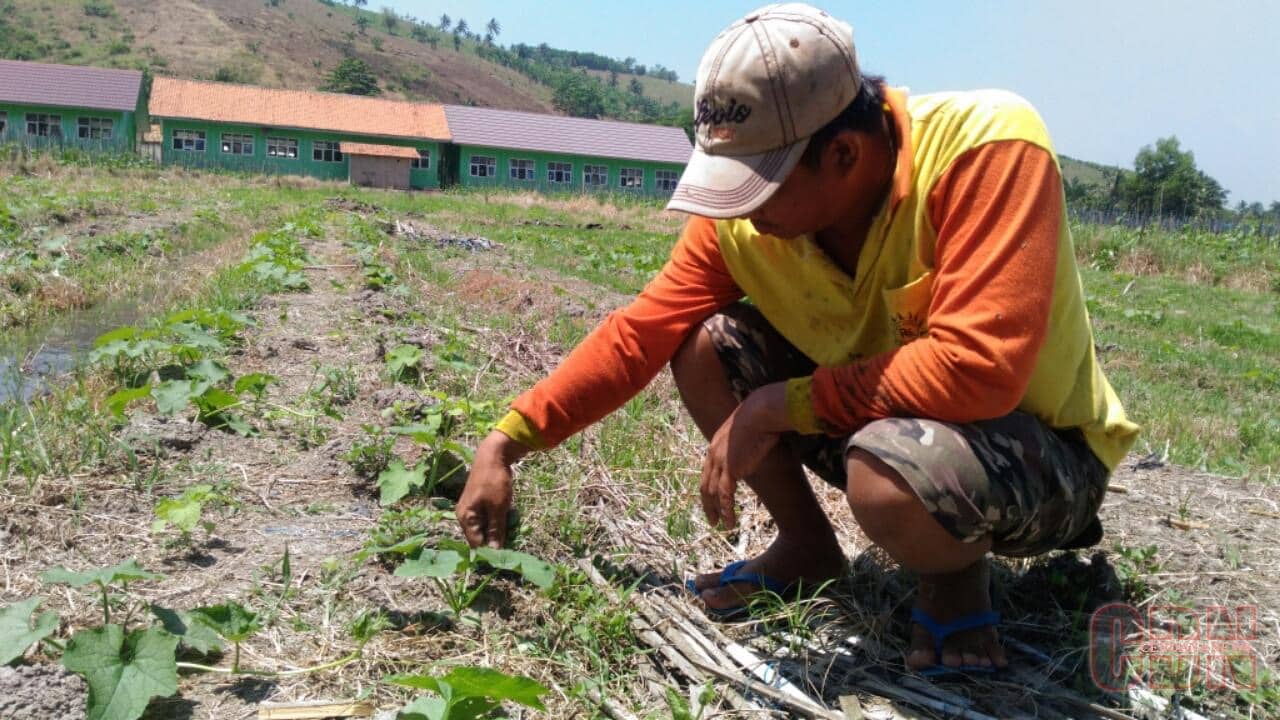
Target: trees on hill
1166 181
352 76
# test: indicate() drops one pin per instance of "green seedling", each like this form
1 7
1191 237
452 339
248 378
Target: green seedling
371 453
17 633
397 481
231 620
195 635
451 564
124 671
404 363
467 693
124 573
184 512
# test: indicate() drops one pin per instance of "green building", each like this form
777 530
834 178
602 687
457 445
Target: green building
556 153
61 106
369 141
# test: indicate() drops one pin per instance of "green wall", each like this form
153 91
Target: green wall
539 182
301 165
123 129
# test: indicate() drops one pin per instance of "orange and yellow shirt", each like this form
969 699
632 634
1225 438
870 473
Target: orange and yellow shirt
966 303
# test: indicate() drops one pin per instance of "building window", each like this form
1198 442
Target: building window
188 140
4 123
279 147
595 175
93 128
423 161
43 125
631 178
560 172
484 166
521 169
325 151
667 180
233 144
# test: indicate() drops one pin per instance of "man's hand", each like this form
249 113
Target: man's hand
737 448
482 509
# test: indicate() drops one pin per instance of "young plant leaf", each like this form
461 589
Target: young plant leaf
495 685
16 631
127 571
205 374
123 671
119 400
231 620
431 563
172 396
184 511
397 481
535 570
467 693
424 432
195 635
404 359
255 383
127 332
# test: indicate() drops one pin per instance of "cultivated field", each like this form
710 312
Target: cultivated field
279 387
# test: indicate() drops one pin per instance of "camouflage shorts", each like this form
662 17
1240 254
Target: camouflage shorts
1031 487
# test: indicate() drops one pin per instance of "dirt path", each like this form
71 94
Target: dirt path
291 487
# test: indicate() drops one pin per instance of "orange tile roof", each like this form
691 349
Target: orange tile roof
391 151
296 109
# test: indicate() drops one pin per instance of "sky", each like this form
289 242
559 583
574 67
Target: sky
1108 76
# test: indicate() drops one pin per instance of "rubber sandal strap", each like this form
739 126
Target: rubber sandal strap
733 574
941 631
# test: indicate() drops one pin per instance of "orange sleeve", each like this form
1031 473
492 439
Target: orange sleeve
630 346
997 211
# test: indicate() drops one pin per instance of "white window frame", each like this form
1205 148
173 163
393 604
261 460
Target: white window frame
666 180
631 178
189 140
522 169
282 147
560 173
95 128
50 124
423 161
236 144
485 166
326 151
595 175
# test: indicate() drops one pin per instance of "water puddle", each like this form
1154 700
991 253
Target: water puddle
30 359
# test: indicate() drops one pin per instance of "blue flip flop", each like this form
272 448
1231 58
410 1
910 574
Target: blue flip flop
941 631
731 574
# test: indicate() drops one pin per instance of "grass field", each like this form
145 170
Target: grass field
285 423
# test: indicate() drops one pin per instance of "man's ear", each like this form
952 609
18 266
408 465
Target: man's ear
842 152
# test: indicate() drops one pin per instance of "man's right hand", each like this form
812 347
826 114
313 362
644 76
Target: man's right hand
482 508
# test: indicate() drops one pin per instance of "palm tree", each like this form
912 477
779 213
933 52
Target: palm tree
493 28
462 28
445 22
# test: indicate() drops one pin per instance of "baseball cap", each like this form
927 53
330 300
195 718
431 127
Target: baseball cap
766 83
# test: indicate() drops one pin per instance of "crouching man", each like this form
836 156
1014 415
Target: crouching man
917 333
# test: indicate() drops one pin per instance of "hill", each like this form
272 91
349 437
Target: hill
1089 173
284 43
664 91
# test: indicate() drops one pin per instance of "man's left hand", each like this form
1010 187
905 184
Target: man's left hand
738 447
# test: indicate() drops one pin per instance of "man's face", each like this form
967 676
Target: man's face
811 198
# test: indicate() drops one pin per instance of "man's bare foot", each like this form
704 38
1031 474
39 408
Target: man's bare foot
785 560
945 598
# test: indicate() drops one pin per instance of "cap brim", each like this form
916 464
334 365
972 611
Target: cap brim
731 186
